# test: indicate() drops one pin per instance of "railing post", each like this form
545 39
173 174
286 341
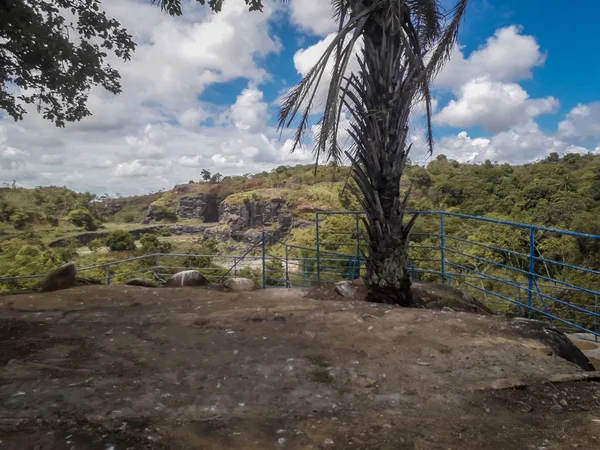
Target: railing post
318 253
107 274
596 318
442 248
357 256
264 262
531 274
235 270
287 268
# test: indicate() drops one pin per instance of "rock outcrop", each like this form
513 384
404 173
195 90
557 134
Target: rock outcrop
187 278
557 342
203 206
256 214
345 289
140 282
440 296
239 284
61 278
64 277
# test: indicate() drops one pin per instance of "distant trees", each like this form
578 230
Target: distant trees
216 178
205 175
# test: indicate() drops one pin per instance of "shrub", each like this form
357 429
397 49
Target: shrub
120 240
19 220
96 245
199 262
165 231
128 217
52 220
164 213
274 273
152 244
81 217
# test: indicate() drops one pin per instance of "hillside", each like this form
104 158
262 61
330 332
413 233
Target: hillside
43 227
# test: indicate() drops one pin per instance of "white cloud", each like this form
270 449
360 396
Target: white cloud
582 122
157 132
249 112
313 16
494 105
52 160
141 167
517 146
506 56
193 117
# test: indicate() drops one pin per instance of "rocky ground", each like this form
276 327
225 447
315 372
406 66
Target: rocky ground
120 367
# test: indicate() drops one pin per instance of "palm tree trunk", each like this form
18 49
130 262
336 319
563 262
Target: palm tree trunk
378 167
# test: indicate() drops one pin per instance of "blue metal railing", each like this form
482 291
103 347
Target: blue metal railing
557 289
509 269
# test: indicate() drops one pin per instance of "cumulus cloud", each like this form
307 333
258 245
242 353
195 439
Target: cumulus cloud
506 56
516 146
249 112
494 105
582 122
313 16
157 132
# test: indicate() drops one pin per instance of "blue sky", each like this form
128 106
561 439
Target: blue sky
201 92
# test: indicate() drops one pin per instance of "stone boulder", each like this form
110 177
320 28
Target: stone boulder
239 284
556 342
140 282
440 296
345 289
85 281
187 278
62 278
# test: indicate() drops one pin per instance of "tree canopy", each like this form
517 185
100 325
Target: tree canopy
52 62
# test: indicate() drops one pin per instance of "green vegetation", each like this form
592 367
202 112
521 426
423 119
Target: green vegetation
556 192
81 217
120 240
151 244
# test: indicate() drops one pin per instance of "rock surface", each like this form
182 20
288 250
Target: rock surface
256 214
557 342
187 278
204 369
202 206
345 289
239 284
439 296
86 281
61 278
140 282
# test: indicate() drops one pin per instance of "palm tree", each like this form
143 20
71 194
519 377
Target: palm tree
401 45
404 43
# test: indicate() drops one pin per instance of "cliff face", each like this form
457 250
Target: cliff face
205 207
256 214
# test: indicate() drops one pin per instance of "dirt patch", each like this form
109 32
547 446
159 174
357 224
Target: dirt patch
125 367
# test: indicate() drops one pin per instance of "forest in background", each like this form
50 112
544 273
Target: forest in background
557 192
